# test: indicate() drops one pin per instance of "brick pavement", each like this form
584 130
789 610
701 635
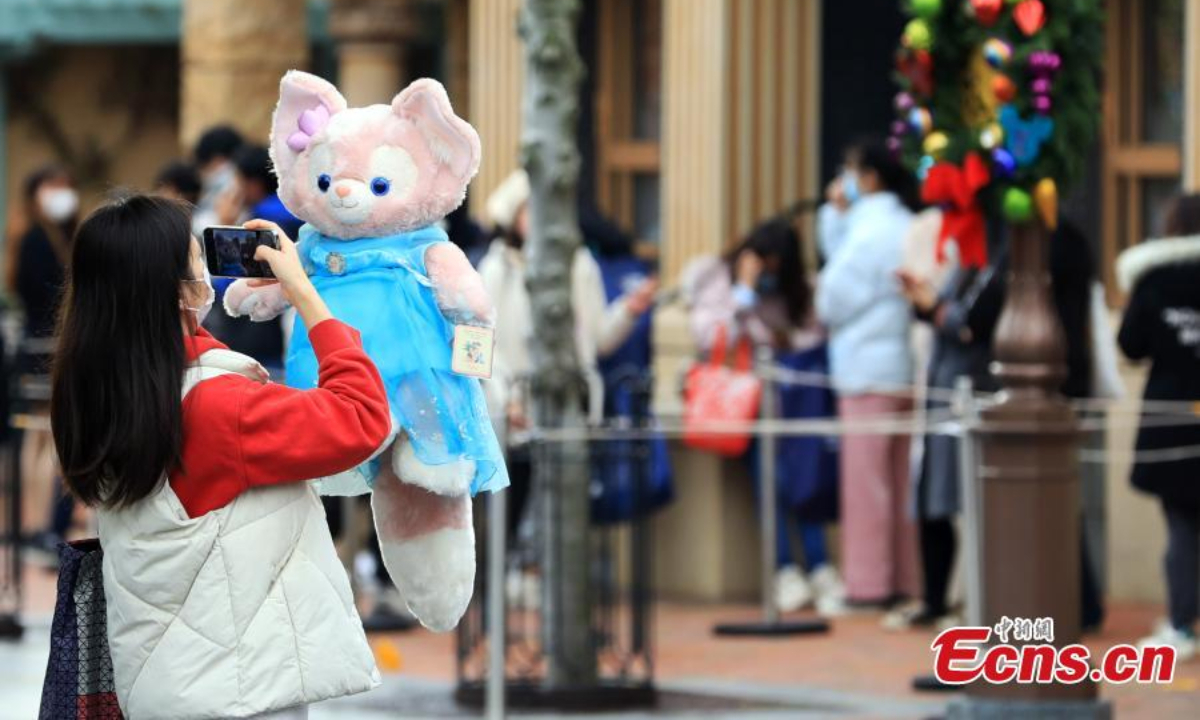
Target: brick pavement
857 659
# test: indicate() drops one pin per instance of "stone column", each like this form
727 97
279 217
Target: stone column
496 68
371 35
233 54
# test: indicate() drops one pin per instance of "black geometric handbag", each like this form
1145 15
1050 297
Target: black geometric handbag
79 677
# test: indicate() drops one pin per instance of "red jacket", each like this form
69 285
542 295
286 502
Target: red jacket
238 433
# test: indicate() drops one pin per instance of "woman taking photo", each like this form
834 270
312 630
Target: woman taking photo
759 292
225 596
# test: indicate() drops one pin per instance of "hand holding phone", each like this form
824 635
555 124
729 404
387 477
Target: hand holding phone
286 269
230 251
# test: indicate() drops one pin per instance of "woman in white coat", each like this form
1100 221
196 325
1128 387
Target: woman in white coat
859 301
224 594
600 329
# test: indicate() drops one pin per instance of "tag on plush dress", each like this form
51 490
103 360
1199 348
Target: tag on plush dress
472 351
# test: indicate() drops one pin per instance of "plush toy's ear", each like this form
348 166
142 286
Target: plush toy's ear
452 141
306 102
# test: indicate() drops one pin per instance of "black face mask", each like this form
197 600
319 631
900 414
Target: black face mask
767 284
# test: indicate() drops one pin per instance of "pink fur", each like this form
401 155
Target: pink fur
315 133
373 172
458 288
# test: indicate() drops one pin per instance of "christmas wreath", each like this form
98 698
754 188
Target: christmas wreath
997 108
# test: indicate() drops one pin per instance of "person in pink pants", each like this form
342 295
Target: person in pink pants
859 300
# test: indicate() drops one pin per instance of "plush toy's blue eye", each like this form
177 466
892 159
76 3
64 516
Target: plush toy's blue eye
323 181
380 186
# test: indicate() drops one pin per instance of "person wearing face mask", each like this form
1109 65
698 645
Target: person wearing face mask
760 291
253 194
34 273
197 465
859 300
213 154
600 329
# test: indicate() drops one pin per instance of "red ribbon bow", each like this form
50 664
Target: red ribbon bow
954 188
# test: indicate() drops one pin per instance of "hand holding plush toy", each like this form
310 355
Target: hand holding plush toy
371 184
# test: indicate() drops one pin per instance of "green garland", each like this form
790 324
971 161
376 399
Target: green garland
944 43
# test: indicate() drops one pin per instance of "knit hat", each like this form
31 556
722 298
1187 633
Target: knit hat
506 200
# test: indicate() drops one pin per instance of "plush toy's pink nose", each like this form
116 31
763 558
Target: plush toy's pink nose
342 190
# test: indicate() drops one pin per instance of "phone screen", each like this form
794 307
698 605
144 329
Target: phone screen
229 251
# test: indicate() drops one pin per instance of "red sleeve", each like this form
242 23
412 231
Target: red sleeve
239 433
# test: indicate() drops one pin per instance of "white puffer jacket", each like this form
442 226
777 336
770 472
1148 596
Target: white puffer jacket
240 611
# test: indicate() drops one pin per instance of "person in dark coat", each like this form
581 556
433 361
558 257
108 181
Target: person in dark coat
36 262
1162 325
964 316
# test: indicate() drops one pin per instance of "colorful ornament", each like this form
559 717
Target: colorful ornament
997 52
920 120
1045 195
1003 163
1024 138
894 145
1043 104
1003 88
904 102
1017 205
917 35
987 11
923 167
917 66
991 136
935 144
927 9
899 127
1041 86
1044 62
1030 16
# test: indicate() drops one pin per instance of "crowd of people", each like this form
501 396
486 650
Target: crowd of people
884 318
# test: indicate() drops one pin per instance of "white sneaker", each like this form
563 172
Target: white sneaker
1184 644
792 591
831 594
513 581
531 591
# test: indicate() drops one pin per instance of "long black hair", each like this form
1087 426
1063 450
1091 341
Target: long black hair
115 407
779 238
871 154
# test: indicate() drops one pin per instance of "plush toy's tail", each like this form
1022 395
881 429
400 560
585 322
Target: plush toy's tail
428 546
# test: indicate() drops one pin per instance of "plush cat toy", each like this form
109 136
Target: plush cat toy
371 183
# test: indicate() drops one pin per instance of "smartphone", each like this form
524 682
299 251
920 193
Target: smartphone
229 251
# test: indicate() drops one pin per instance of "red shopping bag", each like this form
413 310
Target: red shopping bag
714 395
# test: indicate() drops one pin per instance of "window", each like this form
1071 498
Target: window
628 107
1143 135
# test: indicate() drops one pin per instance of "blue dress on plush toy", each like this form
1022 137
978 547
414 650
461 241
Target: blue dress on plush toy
380 287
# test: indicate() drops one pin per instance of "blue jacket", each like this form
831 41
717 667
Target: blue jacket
858 296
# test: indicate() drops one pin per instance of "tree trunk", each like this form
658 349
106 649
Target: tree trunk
550 110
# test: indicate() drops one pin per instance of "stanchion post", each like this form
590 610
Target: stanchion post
497 504
767 484
968 478
771 625
1029 490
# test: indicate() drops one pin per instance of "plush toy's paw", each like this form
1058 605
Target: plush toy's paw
428 546
452 478
260 304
